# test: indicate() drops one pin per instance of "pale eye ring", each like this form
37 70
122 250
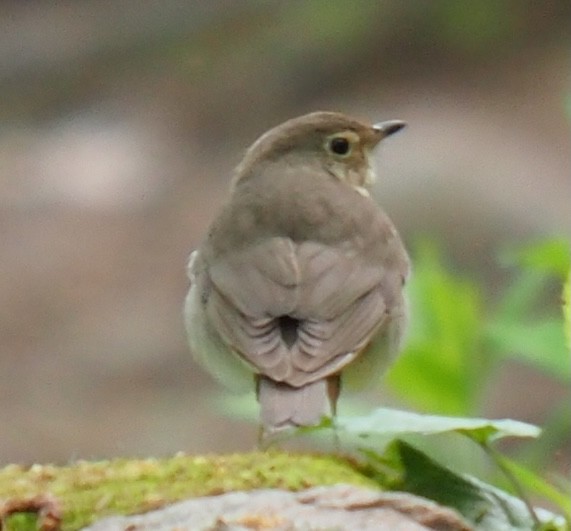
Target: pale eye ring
340 145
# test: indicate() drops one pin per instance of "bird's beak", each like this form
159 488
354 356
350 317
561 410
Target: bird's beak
384 129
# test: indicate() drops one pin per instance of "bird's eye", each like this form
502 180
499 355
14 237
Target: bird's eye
339 145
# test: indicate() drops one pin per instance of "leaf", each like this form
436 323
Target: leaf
441 368
390 424
551 256
540 343
536 484
527 324
486 507
521 296
567 309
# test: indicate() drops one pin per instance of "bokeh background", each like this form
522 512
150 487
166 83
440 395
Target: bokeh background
120 123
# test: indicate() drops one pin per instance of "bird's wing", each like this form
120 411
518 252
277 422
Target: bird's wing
206 344
335 296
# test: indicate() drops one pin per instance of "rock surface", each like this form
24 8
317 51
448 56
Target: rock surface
341 507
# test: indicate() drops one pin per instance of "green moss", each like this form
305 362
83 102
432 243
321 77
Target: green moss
91 490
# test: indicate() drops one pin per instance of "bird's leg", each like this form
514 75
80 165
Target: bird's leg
262 441
333 391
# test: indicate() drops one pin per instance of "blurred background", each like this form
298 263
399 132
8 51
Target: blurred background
120 123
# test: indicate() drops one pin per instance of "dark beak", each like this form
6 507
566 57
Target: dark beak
388 128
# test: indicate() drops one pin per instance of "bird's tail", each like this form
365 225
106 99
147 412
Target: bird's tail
284 406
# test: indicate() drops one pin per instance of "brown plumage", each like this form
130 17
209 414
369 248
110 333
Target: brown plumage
300 277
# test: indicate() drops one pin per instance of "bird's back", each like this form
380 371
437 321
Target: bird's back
291 253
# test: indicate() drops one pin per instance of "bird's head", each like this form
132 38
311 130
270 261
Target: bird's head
329 141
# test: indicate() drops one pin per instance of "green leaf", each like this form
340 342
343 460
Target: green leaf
390 424
567 309
551 256
536 484
540 343
487 508
441 368
527 324
520 296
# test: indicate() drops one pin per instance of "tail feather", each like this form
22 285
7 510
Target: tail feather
284 406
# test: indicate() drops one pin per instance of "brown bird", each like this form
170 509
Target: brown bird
301 275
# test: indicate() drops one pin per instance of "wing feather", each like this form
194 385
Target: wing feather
334 294
261 279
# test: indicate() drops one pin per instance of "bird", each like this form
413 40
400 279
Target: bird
299 282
